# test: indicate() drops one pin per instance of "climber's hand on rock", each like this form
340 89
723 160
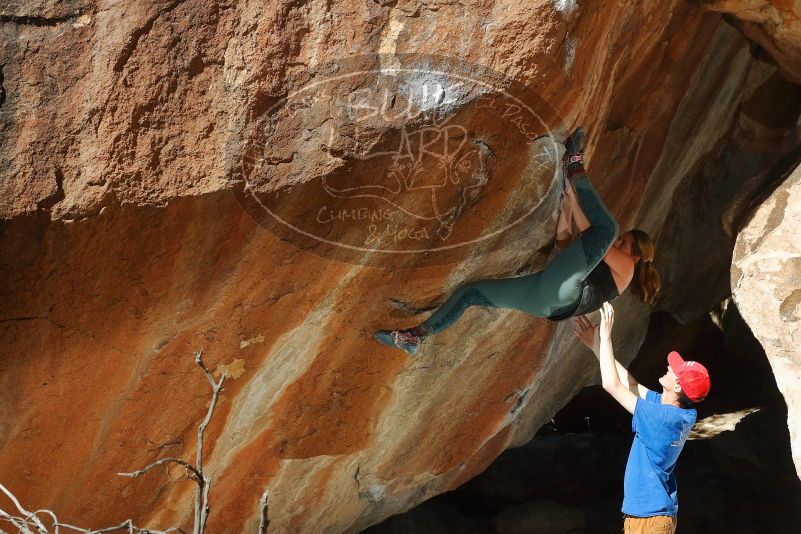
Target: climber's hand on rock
586 332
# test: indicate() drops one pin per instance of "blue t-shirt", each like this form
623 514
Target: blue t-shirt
660 430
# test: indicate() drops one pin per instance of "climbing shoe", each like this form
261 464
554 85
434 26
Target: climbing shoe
574 151
575 143
402 340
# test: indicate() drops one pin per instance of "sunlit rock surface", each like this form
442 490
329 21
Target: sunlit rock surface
134 233
766 284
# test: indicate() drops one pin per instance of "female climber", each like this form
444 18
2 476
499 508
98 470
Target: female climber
574 283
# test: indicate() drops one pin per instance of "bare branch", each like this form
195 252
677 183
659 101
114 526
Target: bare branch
30 523
264 524
18 522
216 387
204 484
28 515
125 525
204 503
51 513
199 361
58 525
186 465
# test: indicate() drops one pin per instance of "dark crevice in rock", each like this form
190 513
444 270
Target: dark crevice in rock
16 319
757 51
733 21
34 20
196 66
50 201
779 172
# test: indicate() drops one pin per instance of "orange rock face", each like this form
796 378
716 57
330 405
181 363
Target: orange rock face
139 225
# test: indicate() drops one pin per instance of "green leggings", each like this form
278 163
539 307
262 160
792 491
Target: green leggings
555 289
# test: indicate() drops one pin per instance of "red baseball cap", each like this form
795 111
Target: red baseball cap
693 377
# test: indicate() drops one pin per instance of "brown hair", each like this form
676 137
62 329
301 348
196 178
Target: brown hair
685 401
646 282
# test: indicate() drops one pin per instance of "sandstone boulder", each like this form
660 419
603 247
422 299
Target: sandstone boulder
766 285
127 241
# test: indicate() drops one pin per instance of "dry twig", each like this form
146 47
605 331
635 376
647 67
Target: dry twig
31 523
203 482
264 524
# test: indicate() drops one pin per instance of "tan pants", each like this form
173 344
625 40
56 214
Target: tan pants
658 524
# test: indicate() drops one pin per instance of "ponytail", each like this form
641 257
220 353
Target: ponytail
646 282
